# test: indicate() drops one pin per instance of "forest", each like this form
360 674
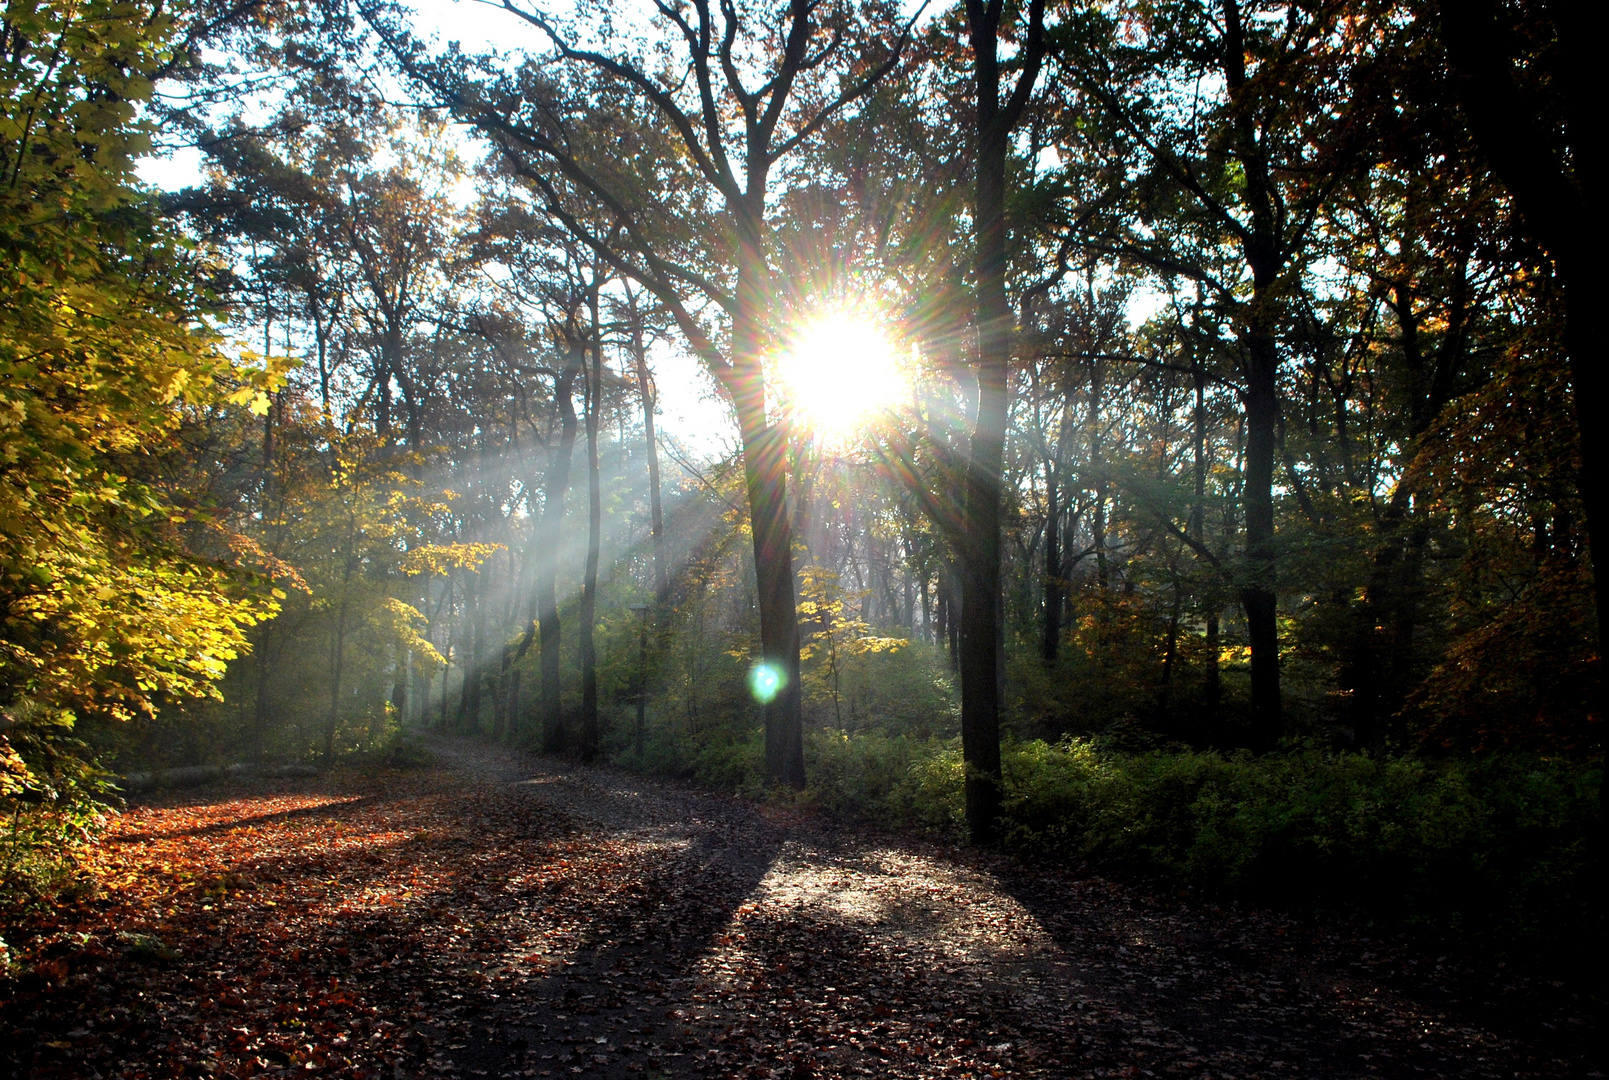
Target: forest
1140 445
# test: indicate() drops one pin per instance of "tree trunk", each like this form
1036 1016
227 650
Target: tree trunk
515 728
1198 530
1257 594
500 698
639 356
446 670
260 710
469 694
337 660
547 603
1097 466
592 398
1170 649
1262 248
1053 581
981 598
764 473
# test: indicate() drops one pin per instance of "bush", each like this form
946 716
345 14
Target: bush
890 779
730 760
407 753
53 801
1495 852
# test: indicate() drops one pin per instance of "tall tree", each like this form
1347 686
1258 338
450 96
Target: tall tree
636 322
587 617
1523 77
549 541
115 594
1234 185
982 648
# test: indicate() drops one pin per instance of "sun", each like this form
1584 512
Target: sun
839 370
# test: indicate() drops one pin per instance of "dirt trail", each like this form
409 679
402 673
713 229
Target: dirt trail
511 916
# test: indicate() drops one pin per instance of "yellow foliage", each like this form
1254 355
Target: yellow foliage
105 606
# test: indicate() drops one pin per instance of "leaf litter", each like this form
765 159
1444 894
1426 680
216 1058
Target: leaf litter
510 916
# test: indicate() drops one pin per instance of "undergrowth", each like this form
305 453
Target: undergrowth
1495 852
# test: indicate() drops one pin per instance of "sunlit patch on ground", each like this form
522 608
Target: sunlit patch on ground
158 821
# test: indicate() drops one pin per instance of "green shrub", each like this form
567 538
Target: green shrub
1494 851
407 753
891 779
729 760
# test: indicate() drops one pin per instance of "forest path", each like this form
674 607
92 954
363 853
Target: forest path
504 915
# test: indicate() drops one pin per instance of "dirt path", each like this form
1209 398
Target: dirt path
517 917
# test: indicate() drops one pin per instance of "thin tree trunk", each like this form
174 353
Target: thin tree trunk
515 728
337 659
446 671
500 697
547 604
1052 611
639 356
1164 698
260 711
1097 465
592 399
469 692
1198 525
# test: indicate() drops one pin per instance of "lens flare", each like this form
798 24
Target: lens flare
765 682
840 369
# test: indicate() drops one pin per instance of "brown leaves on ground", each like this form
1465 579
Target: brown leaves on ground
510 917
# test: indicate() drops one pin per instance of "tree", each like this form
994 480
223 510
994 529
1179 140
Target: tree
982 649
117 593
1227 192
1523 81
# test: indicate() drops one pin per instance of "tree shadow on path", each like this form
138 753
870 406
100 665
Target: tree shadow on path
1179 989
